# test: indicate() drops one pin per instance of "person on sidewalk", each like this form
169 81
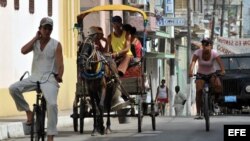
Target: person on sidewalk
162 97
48 68
179 101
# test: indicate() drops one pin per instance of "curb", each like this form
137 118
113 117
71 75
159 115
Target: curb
20 129
3 132
15 129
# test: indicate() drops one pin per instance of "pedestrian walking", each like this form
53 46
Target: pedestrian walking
162 97
179 101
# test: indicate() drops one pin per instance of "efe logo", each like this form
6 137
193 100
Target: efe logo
236 132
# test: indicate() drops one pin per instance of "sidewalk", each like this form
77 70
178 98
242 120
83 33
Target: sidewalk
11 127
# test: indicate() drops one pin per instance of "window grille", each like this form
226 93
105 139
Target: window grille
16 4
31 6
3 3
50 8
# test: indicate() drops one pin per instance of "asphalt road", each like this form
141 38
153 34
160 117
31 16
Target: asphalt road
167 129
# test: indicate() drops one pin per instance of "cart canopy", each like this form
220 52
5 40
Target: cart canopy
115 7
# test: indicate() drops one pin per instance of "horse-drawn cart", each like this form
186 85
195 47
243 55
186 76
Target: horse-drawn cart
127 85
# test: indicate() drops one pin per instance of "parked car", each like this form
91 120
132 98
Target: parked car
236 82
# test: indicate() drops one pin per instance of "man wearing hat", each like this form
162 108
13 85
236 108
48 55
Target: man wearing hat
48 68
119 43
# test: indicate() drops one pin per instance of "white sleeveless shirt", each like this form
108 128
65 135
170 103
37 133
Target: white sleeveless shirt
44 61
162 92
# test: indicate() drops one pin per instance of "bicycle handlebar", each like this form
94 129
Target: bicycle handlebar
27 72
207 77
38 90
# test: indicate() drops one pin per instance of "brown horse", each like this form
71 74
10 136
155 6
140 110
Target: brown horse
94 70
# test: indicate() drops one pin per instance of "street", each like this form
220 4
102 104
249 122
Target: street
167 128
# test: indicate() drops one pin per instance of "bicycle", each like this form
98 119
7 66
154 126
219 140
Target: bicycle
37 131
207 100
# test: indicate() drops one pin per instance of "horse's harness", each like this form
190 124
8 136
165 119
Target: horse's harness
86 62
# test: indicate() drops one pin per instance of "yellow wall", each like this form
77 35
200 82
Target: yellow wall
68 11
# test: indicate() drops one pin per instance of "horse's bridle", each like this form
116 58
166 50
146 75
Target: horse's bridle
89 60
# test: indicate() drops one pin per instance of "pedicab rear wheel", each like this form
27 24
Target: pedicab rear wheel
140 116
81 117
153 115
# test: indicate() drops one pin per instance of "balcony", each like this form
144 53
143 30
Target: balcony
138 22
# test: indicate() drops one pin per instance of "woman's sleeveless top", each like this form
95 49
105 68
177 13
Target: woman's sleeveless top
206 67
162 92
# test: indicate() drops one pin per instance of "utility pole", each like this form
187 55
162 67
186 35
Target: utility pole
213 21
125 13
241 7
188 57
222 18
110 16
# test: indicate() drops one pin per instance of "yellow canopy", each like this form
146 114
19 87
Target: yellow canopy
115 7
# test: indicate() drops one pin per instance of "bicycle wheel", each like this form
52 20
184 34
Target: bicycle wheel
206 111
42 119
153 115
32 128
36 124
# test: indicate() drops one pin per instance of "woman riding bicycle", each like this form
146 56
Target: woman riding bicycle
207 58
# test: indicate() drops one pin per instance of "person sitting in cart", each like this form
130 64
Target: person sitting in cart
101 41
136 45
101 45
119 43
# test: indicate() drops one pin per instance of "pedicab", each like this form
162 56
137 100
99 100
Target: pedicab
132 85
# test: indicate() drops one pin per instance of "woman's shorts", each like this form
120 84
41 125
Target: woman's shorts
162 100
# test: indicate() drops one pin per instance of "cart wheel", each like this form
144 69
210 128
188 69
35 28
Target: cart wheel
153 112
153 122
139 115
75 118
81 117
153 116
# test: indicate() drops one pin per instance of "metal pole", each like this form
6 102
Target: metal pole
222 18
213 21
188 56
125 13
228 17
110 16
241 6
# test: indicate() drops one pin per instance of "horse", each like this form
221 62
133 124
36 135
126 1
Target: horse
95 71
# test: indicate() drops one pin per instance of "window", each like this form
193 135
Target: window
31 6
50 8
181 4
16 4
3 3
